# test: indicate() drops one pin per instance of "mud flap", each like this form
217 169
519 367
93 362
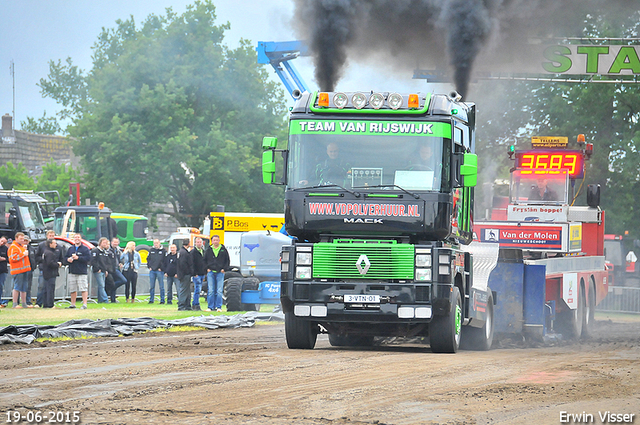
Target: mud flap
534 299
507 280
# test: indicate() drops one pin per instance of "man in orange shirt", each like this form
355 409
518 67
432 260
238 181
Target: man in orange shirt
20 266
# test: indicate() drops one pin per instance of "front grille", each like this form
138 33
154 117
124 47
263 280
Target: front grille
387 260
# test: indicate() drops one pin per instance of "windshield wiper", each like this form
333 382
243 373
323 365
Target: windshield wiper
356 194
415 195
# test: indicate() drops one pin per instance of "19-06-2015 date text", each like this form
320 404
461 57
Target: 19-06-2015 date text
38 416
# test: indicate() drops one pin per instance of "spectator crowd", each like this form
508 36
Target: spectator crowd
113 267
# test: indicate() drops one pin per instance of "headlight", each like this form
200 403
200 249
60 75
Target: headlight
376 100
423 260
303 273
303 258
395 101
423 274
340 100
444 259
359 100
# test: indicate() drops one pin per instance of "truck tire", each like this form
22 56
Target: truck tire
143 250
479 339
250 284
589 314
233 288
300 334
227 275
570 321
444 331
350 340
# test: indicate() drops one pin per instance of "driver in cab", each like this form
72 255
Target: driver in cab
332 169
542 192
424 161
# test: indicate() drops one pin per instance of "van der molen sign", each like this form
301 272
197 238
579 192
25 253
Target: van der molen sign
613 60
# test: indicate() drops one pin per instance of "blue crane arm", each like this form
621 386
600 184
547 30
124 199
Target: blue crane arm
278 54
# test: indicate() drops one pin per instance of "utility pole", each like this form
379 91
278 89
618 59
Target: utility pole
12 70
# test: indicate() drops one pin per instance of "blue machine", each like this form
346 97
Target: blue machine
267 293
259 266
278 55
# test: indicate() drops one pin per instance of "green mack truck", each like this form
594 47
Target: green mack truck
379 199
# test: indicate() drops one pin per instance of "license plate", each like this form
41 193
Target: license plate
362 299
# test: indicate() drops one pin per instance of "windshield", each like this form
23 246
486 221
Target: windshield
85 224
613 252
527 187
31 215
379 154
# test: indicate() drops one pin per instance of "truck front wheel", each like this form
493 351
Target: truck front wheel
300 334
444 331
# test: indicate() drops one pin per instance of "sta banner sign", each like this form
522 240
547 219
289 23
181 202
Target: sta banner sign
597 60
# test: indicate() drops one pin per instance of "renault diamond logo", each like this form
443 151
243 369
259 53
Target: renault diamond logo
363 259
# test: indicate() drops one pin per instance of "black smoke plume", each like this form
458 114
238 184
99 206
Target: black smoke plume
469 23
330 32
454 36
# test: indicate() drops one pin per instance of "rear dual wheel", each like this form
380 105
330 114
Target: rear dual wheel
589 314
570 321
479 339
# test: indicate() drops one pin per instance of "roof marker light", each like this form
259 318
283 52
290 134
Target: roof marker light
376 100
395 101
323 99
414 102
340 100
588 150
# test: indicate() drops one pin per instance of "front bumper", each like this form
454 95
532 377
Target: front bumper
411 302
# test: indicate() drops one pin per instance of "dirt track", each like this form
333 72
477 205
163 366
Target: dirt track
248 376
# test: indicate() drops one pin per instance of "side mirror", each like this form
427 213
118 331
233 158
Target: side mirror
469 170
593 195
268 159
13 218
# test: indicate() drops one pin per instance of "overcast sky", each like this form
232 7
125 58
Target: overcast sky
33 32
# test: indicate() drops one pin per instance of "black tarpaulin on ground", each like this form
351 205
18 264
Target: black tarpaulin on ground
26 334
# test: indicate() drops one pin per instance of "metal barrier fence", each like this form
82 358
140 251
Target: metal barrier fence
621 299
62 288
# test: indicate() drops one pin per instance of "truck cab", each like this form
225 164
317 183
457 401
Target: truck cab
379 198
91 221
20 212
